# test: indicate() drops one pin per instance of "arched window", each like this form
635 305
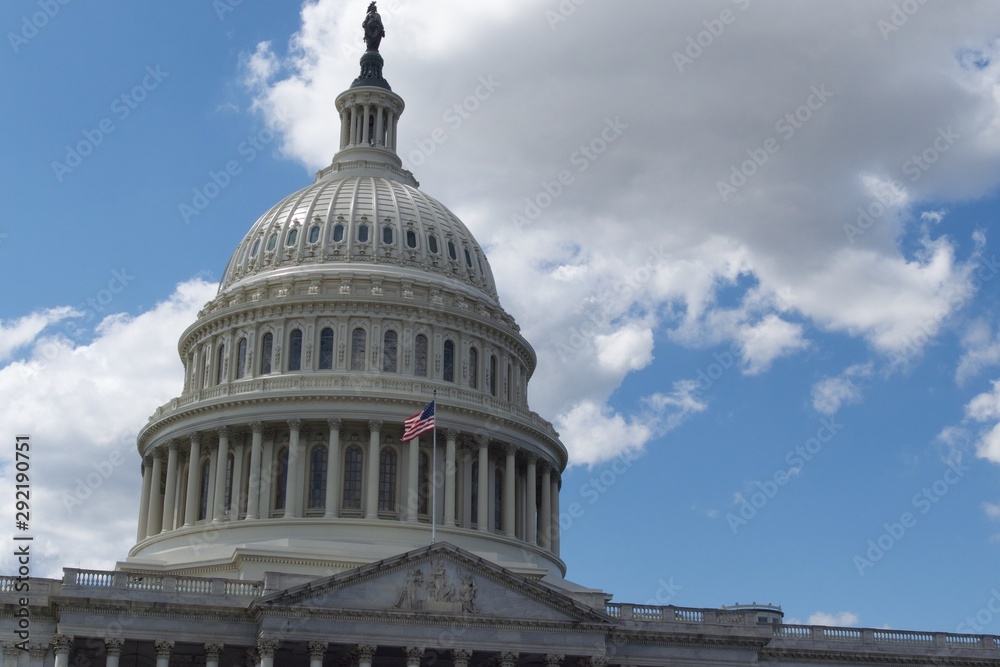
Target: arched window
338 233
468 258
506 384
362 233
220 372
241 359
205 477
266 350
474 503
423 483
387 235
493 374
449 361
272 242
281 479
352 478
411 239
317 477
498 499
256 248
387 480
473 368
314 234
420 356
295 351
451 251
432 243
390 351
326 349
293 236
358 338
227 503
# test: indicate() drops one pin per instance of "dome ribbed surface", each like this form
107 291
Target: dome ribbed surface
360 219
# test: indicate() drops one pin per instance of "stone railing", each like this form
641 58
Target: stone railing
152 581
748 617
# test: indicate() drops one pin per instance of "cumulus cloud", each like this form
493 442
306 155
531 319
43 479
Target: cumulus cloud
634 248
831 393
22 331
980 350
83 405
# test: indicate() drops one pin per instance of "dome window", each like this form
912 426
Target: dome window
338 233
449 361
295 351
256 247
451 251
293 236
479 261
411 239
468 259
362 233
243 255
432 243
326 349
314 234
387 235
272 242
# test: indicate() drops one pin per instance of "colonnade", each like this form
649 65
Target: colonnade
65 649
293 470
368 122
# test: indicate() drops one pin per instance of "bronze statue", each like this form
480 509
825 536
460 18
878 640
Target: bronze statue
374 30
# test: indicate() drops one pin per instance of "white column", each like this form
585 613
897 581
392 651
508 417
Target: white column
391 131
509 476
530 534
147 482
333 470
555 513
545 516
460 657
212 654
316 651
253 489
345 127
267 474
413 656
293 473
163 649
266 649
379 126
366 652
451 436
236 493
221 459
483 485
61 645
155 517
170 492
194 481
365 135
413 480
371 502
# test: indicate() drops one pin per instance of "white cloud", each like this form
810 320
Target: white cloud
992 510
83 406
768 340
627 349
840 618
980 350
830 394
15 335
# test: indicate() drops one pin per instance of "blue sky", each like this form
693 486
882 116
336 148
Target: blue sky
767 395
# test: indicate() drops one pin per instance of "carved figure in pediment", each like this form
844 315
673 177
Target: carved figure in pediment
408 598
439 589
467 594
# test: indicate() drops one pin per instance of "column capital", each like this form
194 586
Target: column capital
37 651
295 424
366 652
556 477
163 648
414 654
196 438
554 659
451 433
173 446
316 650
10 652
213 651
267 647
508 658
62 643
257 426
113 645
460 657
483 440
509 449
223 432
598 661
147 460
335 424
529 457
375 424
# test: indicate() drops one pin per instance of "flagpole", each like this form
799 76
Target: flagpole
434 444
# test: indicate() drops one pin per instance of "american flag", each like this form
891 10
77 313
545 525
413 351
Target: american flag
419 423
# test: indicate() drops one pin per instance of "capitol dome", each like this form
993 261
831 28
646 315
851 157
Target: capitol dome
348 307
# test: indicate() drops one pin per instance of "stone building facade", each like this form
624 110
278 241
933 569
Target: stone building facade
284 522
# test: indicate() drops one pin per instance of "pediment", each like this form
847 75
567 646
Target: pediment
437 580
